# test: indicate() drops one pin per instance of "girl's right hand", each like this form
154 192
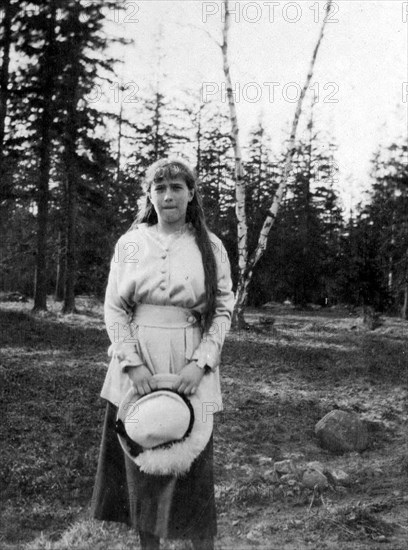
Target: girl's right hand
142 379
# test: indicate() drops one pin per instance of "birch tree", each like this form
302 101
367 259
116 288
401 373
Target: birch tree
247 264
240 198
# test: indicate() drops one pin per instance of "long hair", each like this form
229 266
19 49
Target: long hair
167 169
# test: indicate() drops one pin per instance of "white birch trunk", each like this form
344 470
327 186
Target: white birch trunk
242 228
244 280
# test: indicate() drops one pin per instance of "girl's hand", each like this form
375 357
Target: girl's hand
142 379
190 377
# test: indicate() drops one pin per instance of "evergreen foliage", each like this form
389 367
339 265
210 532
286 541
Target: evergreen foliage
71 176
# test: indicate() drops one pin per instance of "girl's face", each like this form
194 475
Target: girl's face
170 199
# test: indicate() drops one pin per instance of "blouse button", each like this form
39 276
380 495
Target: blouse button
191 319
164 256
162 286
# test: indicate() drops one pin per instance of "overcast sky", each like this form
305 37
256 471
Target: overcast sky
359 75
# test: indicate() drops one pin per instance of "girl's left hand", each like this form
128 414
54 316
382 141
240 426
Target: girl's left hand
190 377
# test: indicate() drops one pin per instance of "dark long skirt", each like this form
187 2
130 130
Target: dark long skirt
165 506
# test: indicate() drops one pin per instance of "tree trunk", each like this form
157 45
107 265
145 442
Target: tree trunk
303 295
5 191
390 278
198 139
119 144
244 280
60 278
404 309
70 258
70 140
41 274
156 123
242 228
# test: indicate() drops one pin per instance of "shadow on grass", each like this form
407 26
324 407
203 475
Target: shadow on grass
19 329
368 358
51 414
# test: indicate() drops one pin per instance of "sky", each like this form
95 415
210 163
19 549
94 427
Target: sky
358 87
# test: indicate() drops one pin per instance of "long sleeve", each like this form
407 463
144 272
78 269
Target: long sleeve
209 350
118 315
147 269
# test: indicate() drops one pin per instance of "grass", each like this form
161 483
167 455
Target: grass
278 381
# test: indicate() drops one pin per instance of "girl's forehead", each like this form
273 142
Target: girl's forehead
169 181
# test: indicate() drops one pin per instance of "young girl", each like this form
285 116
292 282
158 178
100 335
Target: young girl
167 265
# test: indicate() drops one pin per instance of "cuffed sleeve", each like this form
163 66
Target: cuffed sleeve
208 351
118 316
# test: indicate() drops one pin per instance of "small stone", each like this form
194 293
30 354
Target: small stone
284 467
340 477
313 478
253 535
316 465
294 456
341 431
287 477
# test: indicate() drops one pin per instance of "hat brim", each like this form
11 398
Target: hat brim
175 459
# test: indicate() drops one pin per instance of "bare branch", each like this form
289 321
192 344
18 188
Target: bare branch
197 28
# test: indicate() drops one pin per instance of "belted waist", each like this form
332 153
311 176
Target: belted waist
149 315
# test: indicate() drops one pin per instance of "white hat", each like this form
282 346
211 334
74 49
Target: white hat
157 418
163 432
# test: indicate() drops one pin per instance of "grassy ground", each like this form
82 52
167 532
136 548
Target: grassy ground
278 381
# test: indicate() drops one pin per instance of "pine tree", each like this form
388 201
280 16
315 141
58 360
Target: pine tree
387 218
300 262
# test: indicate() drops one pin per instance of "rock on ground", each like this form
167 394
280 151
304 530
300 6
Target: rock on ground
314 478
341 432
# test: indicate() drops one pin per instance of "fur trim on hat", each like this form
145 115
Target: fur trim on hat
177 459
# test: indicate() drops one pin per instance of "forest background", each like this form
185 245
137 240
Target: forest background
71 166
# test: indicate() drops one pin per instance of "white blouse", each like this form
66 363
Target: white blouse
148 268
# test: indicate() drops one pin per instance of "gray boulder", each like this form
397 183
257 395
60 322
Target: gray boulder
342 432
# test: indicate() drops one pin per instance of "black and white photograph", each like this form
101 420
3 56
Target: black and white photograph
203 275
